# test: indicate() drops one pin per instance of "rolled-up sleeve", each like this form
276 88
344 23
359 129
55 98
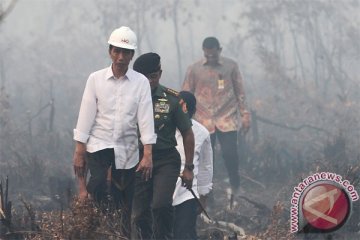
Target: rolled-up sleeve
146 116
205 174
87 112
80 136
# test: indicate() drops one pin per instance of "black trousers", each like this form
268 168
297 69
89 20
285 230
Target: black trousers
228 143
153 214
121 188
185 220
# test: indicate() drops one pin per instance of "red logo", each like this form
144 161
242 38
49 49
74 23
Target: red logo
125 40
326 207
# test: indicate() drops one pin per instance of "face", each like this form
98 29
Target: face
212 55
154 78
121 57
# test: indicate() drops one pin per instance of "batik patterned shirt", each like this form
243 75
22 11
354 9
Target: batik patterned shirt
219 93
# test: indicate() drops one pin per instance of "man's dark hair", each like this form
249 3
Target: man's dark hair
112 46
211 43
190 101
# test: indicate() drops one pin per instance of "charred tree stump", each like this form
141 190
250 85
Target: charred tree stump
5 208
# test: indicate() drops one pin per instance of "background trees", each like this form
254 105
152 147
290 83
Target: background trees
299 60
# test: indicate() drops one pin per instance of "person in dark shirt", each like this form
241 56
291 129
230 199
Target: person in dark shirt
152 206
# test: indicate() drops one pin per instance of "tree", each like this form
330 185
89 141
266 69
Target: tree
5 12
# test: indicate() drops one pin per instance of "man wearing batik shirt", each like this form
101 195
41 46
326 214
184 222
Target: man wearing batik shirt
217 85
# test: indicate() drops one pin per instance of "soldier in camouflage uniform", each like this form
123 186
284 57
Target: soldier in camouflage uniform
152 206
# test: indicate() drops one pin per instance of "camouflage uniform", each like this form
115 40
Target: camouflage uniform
169 113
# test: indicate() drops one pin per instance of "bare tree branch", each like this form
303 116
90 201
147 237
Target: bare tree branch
7 10
280 125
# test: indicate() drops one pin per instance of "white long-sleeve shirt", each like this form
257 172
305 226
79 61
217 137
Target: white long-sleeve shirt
203 164
110 111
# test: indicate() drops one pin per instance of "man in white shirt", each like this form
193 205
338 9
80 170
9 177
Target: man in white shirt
184 202
116 101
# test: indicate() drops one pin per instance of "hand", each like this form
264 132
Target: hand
83 195
145 166
79 160
187 177
245 122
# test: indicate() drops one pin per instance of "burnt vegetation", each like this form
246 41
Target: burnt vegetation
260 212
302 88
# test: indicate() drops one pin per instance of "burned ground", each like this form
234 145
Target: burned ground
260 211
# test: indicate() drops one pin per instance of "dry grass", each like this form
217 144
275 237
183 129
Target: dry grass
263 212
83 220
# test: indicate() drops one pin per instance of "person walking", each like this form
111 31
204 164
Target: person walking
218 87
153 212
116 103
186 206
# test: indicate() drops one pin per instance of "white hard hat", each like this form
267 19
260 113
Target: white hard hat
123 37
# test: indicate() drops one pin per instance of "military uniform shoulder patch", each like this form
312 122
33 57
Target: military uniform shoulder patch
172 92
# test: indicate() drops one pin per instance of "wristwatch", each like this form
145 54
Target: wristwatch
189 166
